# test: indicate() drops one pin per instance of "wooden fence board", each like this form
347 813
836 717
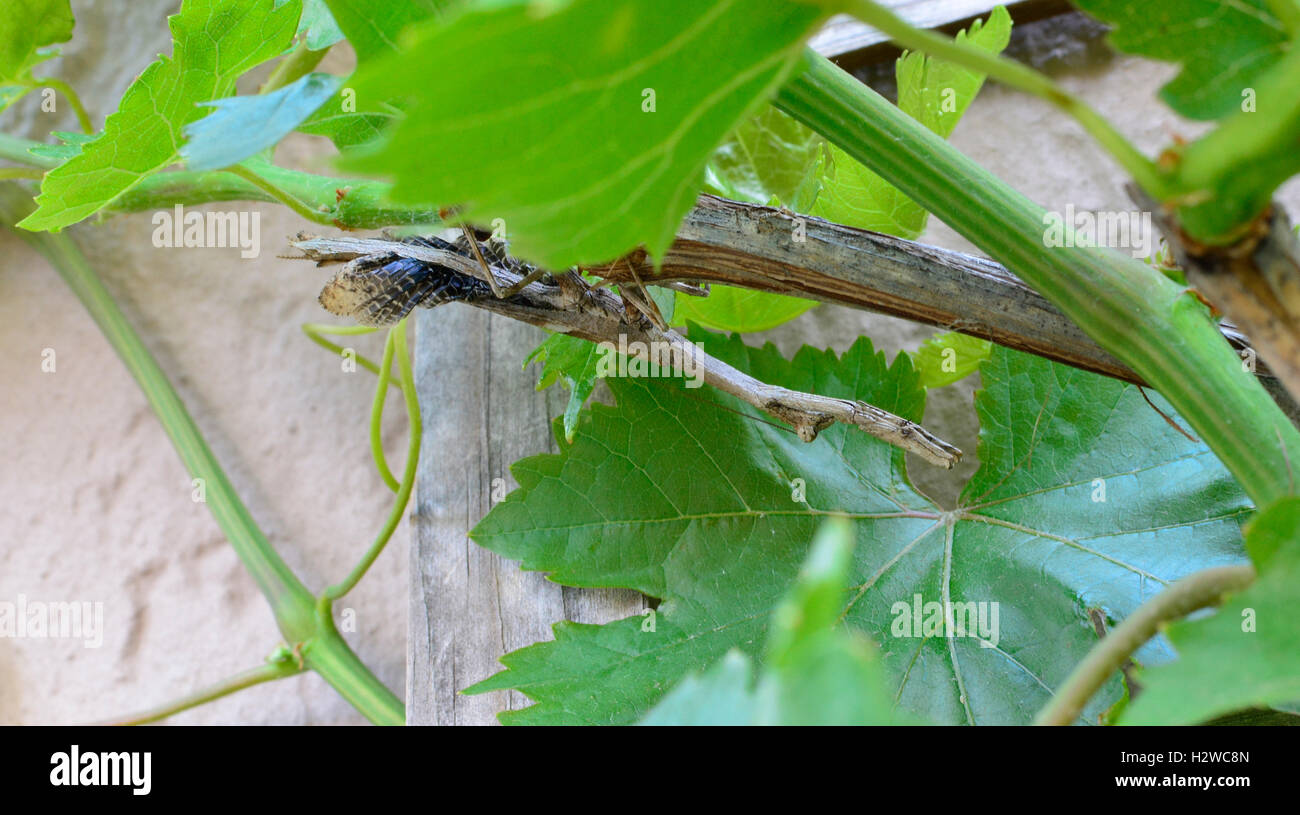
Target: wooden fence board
468 606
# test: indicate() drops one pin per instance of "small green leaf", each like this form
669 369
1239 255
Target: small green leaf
1224 46
340 120
245 125
574 360
728 308
816 673
214 42
1247 654
949 357
933 92
585 125
26 28
71 145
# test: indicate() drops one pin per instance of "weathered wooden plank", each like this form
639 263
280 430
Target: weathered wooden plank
468 606
849 41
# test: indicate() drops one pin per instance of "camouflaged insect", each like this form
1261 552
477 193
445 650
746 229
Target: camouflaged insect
381 289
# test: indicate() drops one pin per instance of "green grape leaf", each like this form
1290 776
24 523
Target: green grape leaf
1085 498
245 125
768 156
815 673
574 361
27 28
317 25
1224 46
935 93
949 357
743 310
214 42
373 26
585 125
1247 654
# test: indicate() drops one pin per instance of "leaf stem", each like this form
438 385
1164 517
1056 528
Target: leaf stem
377 416
28 173
1197 591
293 67
1021 77
293 605
64 88
351 203
268 672
316 331
284 197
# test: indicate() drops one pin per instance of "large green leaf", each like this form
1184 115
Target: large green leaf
1086 498
584 125
935 93
816 673
1248 653
1224 46
372 26
214 42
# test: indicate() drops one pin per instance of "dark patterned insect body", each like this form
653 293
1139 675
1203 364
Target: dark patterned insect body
380 290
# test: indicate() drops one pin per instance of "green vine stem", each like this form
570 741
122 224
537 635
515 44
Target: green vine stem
1197 591
298 64
293 605
1143 318
268 672
403 354
320 216
83 118
316 333
344 202
377 416
1021 77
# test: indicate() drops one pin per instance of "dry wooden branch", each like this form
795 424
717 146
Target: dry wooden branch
774 250
571 306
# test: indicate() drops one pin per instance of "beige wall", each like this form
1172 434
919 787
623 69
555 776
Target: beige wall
95 505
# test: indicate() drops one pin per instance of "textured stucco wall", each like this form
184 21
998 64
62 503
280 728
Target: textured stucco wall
95 506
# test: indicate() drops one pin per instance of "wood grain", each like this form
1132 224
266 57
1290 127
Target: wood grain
469 606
